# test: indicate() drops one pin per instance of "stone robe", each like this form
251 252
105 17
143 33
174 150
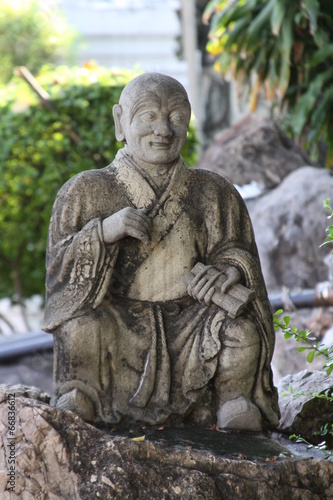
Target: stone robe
126 331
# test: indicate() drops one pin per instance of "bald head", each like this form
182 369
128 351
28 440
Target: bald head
152 118
149 84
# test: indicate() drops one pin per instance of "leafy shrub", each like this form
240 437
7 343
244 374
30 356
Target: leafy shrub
288 47
41 148
31 34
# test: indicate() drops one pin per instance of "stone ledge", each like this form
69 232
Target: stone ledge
59 456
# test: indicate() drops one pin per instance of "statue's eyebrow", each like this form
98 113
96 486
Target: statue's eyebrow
145 99
178 99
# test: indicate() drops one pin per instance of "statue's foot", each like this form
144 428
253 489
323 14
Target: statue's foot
79 403
239 414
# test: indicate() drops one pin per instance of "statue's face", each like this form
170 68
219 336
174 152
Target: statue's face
155 126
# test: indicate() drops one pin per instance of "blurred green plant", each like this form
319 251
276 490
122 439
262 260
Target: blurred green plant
306 337
285 48
329 229
314 348
31 34
42 146
322 446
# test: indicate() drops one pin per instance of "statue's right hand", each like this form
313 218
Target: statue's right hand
127 222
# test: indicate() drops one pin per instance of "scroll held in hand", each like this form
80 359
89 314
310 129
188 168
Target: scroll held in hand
234 301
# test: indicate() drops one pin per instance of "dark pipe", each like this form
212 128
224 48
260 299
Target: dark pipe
21 344
305 298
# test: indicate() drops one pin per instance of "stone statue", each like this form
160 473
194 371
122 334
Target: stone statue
155 295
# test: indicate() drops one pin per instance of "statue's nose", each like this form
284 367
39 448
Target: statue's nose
163 128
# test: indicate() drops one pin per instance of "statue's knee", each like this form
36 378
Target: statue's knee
241 332
240 348
77 345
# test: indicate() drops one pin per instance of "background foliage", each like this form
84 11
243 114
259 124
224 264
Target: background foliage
286 48
31 34
42 147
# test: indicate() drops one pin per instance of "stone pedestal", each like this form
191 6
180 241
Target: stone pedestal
57 455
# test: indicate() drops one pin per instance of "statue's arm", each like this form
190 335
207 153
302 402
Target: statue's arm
79 263
83 245
228 227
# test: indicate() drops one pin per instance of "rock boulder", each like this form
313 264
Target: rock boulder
302 412
253 150
289 224
59 456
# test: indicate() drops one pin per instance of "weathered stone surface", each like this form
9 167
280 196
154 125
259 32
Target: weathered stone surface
41 463
289 225
301 411
58 456
253 150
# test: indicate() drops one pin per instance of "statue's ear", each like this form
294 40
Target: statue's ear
117 114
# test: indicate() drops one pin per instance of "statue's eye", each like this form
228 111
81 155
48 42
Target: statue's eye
177 118
148 116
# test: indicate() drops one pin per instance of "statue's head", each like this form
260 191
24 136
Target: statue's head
152 118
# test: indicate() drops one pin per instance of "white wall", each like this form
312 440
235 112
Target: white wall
142 34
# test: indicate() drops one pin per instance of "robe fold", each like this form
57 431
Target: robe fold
126 331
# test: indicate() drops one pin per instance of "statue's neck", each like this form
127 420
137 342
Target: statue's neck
158 173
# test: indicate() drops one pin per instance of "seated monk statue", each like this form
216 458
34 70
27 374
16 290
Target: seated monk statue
154 290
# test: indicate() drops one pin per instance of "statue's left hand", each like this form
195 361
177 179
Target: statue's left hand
202 287
233 277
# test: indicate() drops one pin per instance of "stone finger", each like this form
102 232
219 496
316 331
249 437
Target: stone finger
198 287
139 225
209 295
138 234
201 295
226 285
198 276
141 219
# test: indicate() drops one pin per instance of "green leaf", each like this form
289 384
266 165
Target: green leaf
209 10
287 39
326 204
278 13
304 108
286 319
322 55
312 9
310 356
261 21
242 11
322 112
235 32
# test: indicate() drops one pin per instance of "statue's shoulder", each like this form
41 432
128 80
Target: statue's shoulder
88 180
211 180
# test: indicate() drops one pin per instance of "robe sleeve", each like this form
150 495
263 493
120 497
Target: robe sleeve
78 263
230 241
230 236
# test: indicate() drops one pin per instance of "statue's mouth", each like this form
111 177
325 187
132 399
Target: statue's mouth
160 145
